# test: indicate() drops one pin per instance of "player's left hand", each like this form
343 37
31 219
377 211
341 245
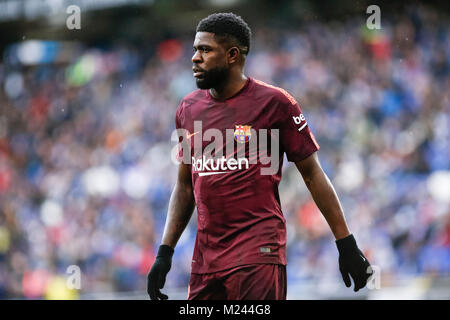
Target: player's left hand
352 262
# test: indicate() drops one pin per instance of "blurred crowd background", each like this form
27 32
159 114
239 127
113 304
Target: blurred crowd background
86 119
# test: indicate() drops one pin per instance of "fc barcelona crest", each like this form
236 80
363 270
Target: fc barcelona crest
242 133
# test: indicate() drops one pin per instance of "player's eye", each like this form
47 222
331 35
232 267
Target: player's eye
202 49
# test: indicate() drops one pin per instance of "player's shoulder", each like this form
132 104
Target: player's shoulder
192 98
278 94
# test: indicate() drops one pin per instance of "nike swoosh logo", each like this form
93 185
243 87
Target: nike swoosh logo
364 259
190 135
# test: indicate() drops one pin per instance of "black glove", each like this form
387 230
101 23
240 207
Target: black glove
352 261
157 276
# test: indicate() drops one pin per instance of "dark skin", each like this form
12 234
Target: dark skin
181 207
324 195
209 54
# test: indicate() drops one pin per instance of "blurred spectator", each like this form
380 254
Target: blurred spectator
86 173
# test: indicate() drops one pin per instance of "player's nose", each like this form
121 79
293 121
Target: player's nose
197 57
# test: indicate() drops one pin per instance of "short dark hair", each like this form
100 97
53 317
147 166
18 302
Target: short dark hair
227 27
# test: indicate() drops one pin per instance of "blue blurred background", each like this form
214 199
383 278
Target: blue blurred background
86 118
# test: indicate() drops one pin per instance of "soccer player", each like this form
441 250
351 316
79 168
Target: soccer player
240 247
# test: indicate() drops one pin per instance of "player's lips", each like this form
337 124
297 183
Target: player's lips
197 72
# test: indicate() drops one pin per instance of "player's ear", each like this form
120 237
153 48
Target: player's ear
233 54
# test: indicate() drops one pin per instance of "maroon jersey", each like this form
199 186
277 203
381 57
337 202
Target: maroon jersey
239 216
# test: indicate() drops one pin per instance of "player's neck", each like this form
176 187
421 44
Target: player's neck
230 88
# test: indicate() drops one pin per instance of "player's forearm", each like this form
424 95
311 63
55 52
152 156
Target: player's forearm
181 206
328 203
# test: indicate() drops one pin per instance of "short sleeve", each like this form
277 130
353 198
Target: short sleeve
179 117
296 138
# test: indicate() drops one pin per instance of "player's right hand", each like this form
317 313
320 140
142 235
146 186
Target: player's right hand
157 276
